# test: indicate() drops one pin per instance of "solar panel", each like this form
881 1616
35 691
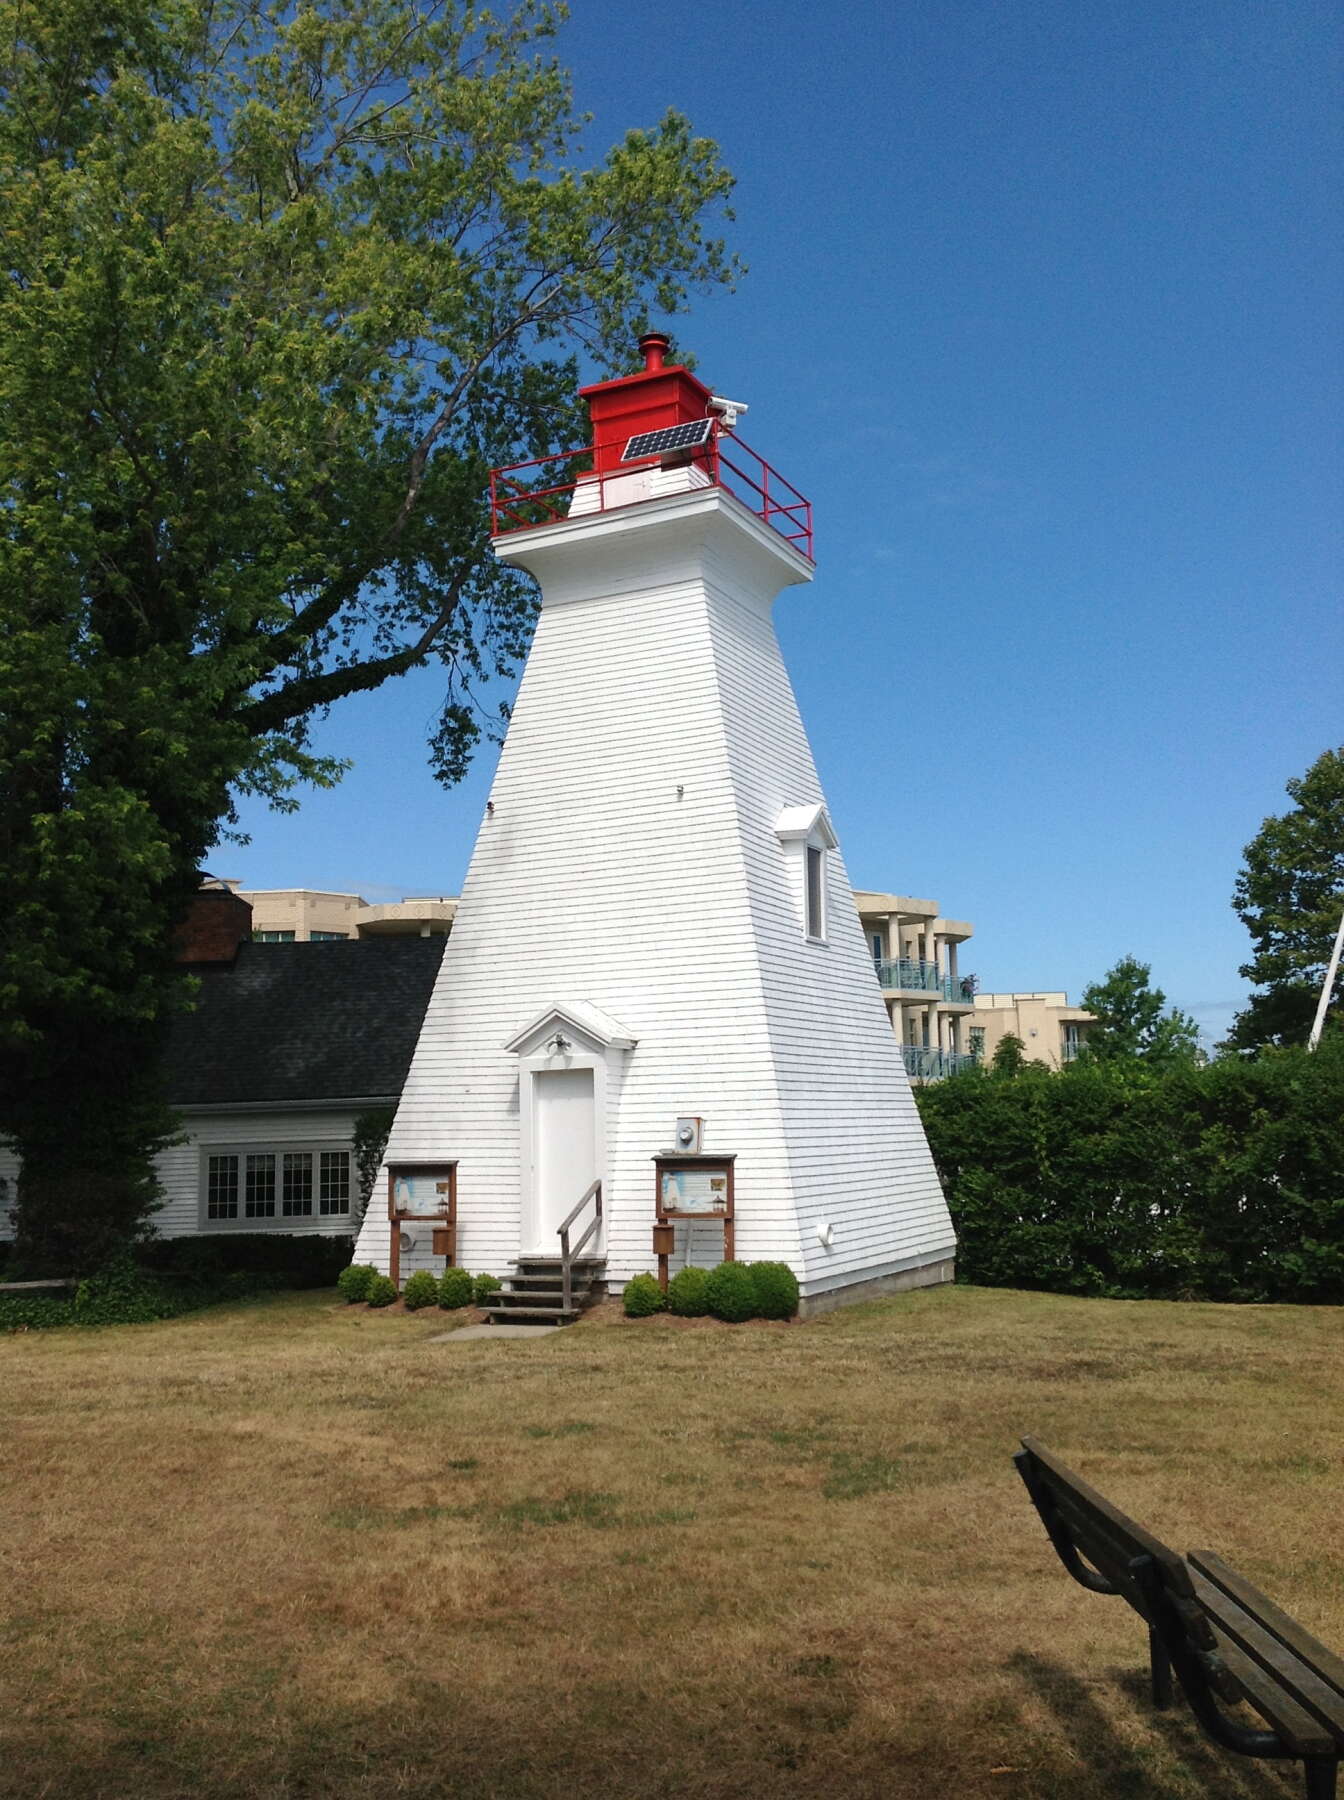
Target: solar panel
689 436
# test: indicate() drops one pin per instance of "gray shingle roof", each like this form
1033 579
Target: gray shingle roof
304 1022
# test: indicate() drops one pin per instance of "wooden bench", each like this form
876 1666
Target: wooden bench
1225 1640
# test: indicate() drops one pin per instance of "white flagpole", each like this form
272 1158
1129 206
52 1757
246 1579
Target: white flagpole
1327 987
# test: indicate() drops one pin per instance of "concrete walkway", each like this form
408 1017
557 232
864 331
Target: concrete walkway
470 1333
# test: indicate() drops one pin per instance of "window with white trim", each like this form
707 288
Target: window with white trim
816 891
258 1185
806 835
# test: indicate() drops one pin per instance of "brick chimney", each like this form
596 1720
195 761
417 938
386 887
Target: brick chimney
217 921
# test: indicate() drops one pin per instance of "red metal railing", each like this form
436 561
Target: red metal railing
520 500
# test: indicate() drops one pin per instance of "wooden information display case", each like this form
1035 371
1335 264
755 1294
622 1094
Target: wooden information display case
692 1188
423 1194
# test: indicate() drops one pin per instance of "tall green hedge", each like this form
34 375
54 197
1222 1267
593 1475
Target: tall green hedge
1222 1182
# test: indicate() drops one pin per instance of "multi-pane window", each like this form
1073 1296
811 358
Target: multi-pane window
260 1184
272 937
221 1187
333 1192
326 937
297 1184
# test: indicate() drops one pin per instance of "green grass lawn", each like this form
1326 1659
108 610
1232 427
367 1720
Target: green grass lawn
294 1549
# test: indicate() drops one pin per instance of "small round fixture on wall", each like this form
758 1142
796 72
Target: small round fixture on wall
406 1242
680 791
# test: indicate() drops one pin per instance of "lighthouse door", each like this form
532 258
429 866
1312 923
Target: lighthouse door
564 1150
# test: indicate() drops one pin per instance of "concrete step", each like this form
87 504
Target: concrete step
550 1265
528 1315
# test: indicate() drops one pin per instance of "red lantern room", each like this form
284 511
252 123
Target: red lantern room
658 397
654 433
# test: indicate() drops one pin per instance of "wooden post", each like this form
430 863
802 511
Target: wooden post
664 1243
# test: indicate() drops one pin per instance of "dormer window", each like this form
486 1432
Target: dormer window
806 835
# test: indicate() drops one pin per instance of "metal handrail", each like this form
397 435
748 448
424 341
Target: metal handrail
928 1063
915 975
568 1257
514 506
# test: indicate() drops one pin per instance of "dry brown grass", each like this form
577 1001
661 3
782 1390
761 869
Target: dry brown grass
291 1549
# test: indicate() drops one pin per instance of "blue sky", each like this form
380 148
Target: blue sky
1043 313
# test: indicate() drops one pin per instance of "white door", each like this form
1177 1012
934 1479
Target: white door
564 1153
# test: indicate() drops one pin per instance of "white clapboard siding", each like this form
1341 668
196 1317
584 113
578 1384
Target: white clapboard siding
629 860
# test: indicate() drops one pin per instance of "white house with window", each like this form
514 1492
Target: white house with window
287 1045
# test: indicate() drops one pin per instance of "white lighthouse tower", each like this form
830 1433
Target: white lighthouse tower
657 1003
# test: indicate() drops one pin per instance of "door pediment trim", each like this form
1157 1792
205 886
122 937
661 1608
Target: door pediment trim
593 1029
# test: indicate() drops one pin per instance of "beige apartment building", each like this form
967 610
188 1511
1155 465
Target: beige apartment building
308 915
1052 1031
930 998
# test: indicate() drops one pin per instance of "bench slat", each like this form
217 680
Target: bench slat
1108 1555
1101 1541
1287 1675
1304 1735
1311 1650
1124 1528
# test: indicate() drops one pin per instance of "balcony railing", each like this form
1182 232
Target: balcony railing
905 972
924 1063
542 491
921 977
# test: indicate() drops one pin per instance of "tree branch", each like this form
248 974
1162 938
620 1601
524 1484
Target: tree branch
306 692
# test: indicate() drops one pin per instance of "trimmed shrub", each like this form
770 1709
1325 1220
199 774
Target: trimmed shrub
731 1293
686 1295
421 1289
455 1289
776 1289
382 1291
642 1296
353 1282
483 1287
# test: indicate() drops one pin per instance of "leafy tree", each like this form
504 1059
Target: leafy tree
1010 1055
1289 895
1132 1021
281 283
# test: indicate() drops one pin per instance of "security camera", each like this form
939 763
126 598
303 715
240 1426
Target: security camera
729 409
